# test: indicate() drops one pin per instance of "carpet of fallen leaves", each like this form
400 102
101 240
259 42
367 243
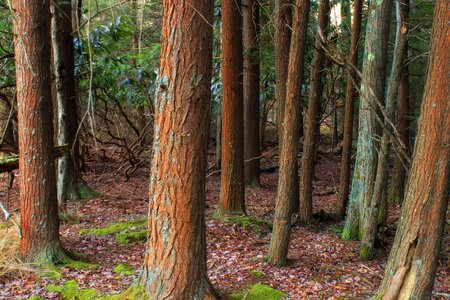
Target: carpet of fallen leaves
320 266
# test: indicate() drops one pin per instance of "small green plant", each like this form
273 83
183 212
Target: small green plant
70 291
257 273
259 291
123 269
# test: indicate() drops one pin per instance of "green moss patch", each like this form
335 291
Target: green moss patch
256 224
259 291
125 232
123 269
336 229
80 265
36 298
70 291
257 273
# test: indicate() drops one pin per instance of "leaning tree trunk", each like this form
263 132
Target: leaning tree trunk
251 91
70 184
371 95
38 201
313 115
371 223
350 96
412 263
279 242
232 166
175 261
397 184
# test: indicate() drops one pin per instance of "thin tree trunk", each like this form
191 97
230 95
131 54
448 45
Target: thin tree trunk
38 200
411 268
279 242
251 91
313 115
70 184
372 91
350 96
397 185
232 168
371 224
175 261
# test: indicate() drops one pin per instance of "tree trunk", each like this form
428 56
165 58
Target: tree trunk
397 184
283 23
313 115
251 91
70 184
412 263
175 261
350 96
38 200
232 167
279 243
371 224
372 94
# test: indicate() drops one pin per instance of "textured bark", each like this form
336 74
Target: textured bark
371 224
70 184
38 201
175 261
412 263
251 91
397 183
350 95
312 117
232 166
283 23
279 242
372 91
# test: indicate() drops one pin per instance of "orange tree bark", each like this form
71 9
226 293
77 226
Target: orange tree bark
372 93
283 23
313 115
232 165
70 184
38 200
350 96
251 91
175 261
412 263
279 242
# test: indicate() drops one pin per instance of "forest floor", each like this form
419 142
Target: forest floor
321 265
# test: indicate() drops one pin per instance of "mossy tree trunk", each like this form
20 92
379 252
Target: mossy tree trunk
279 242
251 91
313 115
350 96
175 261
411 268
232 196
378 197
70 184
372 92
38 200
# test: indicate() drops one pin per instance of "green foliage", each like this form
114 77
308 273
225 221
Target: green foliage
257 273
255 224
336 229
80 265
259 291
123 269
132 237
125 232
36 298
70 291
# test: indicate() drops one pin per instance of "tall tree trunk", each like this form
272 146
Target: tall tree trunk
372 93
279 242
412 263
283 23
350 95
371 224
175 261
38 201
251 91
397 185
70 184
313 115
232 167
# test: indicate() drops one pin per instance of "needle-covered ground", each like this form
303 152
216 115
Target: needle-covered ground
109 234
